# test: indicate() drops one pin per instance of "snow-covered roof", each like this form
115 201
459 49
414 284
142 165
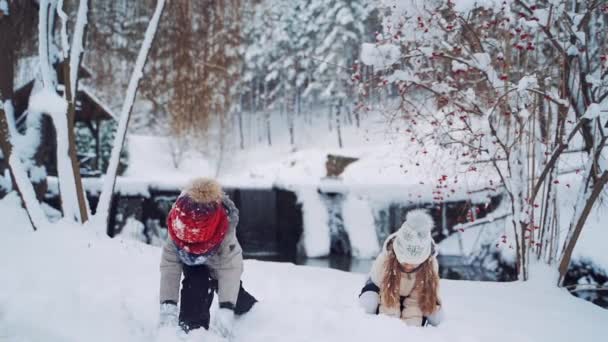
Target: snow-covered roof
88 92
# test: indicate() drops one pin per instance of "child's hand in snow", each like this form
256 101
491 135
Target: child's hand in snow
224 322
369 301
168 315
436 317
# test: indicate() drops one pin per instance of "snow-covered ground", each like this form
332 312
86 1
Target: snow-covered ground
68 284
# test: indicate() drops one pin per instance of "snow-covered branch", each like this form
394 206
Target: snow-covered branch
43 44
105 199
78 43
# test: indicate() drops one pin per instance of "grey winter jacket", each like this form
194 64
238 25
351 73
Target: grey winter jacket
226 265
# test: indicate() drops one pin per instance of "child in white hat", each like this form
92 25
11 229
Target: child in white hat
404 279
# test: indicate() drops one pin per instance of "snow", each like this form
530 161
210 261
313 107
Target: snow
124 186
27 191
465 6
593 111
49 102
591 243
473 235
20 171
316 236
75 285
43 47
483 62
77 42
4 7
457 66
572 50
133 230
103 208
96 99
402 75
360 226
26 70
65 45
380 56
344 16
5 179
527 82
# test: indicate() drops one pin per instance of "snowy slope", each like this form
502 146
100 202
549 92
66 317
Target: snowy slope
387 158
67 284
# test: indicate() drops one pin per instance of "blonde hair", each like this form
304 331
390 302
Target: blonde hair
427 283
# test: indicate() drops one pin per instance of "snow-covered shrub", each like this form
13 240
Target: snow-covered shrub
514 84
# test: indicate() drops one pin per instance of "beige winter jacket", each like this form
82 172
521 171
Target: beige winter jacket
411 313
226 265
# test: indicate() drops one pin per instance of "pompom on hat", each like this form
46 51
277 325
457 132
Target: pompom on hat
413 243
198 222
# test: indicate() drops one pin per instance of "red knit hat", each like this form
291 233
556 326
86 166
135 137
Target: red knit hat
198 222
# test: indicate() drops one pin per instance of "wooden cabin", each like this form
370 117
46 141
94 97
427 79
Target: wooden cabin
91 113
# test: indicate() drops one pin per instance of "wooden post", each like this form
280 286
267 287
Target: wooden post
71 99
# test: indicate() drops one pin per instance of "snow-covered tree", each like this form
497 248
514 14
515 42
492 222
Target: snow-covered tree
299 53
340 30
46 99
17 32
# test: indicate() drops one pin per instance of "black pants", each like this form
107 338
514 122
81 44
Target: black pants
197 295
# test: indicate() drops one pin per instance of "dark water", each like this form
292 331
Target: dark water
339 262
449 267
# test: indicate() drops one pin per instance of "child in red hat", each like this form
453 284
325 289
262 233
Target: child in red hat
202 245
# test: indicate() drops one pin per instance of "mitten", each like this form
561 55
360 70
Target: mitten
168 315
369 301
436 317
224 322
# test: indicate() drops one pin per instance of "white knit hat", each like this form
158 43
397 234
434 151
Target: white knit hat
413 241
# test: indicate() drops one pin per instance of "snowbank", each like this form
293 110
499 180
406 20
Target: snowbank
69 284
360 226
316 237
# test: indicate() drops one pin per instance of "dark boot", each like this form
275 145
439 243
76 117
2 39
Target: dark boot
244 302
196 298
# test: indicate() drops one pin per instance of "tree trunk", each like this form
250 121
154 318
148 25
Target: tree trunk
7 69
329 118
70 96
338 123
268 129
575 231
241 133
6 148
7 58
